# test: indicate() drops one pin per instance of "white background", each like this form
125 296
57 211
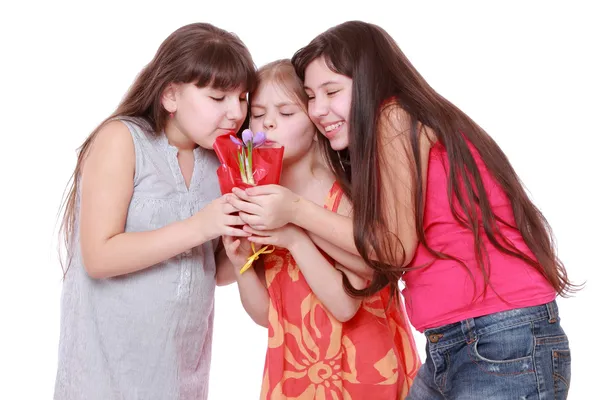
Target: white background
526 71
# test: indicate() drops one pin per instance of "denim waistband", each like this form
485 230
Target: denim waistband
468 329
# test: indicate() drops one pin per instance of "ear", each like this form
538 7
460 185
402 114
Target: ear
169 98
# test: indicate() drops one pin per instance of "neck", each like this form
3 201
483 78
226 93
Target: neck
297 174
177 138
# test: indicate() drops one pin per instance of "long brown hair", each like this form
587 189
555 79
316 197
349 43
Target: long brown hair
371 58
200 53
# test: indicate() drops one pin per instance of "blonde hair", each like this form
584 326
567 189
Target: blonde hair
282 73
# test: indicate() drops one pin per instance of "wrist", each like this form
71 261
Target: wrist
299 243
195 234
299 206
246 275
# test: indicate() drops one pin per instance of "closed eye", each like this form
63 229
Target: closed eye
218 98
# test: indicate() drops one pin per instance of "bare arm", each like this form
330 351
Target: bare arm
325 280
254 295
106 191
225 274
396 163
272 206
251 284
352 262
331 230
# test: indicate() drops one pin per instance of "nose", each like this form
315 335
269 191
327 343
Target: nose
319 107
269 123
236 111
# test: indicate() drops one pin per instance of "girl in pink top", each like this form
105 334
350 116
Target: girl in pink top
436 203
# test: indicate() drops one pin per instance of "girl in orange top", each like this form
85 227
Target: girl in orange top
323 343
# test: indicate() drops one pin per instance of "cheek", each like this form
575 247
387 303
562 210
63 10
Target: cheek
201 110
306 139
312 116
342 107
255 125
244 108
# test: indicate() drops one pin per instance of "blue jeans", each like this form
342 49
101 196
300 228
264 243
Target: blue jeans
517 354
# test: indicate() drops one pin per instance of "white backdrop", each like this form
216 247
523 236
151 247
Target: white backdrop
526 71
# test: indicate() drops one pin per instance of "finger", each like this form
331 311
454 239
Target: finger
231 231
249 219
240 193
227 240
241 205
255 232
263 190
261 239
233 220
229 208
258 227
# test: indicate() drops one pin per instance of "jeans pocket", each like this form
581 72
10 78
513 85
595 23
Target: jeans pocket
561 371
506 351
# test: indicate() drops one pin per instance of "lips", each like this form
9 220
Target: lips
270 143
330 129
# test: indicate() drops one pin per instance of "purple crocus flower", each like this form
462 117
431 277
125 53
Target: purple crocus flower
257 139
247 137
249 142
236 140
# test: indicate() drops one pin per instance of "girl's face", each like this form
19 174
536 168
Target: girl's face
330 98
203 114
283 121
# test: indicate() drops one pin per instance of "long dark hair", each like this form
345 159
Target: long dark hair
200 53
380 71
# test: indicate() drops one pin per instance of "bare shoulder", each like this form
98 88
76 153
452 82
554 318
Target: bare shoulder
113 141
113 134
395 123
393 119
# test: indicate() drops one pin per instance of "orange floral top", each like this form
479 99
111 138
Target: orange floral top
311 355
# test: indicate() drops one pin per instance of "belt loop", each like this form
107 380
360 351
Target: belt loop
552 312
468 328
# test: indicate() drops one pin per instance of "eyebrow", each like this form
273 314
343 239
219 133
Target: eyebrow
322 84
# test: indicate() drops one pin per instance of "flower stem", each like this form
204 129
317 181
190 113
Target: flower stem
241 163
249 169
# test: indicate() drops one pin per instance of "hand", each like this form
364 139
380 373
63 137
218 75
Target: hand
265 207
216 219
285 237
238 250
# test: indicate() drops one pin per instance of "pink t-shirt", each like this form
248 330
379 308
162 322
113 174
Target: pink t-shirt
443 292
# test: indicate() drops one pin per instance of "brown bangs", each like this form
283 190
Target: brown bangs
223 67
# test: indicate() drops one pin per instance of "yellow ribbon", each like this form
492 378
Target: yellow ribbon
254 257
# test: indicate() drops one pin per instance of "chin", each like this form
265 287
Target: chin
206 143
338 144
